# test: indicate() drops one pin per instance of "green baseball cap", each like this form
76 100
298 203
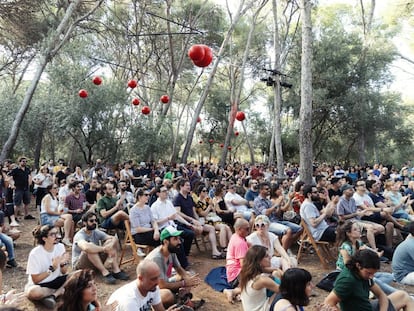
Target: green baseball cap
169 232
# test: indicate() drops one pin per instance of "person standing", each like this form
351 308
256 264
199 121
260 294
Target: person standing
22 181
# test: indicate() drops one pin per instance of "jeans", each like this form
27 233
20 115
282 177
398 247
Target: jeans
383 279
8 242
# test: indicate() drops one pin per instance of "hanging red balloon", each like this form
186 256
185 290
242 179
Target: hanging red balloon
211 141
229 148
132 83
221 145
145 110
207 59
236 133
240 116
165 99
198 119
200 142
196 52
83 93
97 80
136 101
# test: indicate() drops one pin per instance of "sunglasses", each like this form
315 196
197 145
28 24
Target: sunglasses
52 234
260 225
204 190
94 221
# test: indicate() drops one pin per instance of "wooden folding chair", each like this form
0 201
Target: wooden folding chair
321 247
129 241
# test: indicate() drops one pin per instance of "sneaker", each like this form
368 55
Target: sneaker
109 279
31 218
14 224
121 275
67 242
49 302
141 253
12 263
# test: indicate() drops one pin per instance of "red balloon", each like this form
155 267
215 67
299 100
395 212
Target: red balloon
83 93
207 59
198 119
200 142
240 116
211 141
146 110
196 52
236 133
136 101
165 99
97 80
132 83
229 147
221 145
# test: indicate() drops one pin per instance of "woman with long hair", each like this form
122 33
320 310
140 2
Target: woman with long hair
50 214
254 282
348 239
46 267
220 206
81 293
295 290
144 228
205 210
41 181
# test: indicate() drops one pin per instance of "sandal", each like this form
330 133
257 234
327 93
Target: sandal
217 257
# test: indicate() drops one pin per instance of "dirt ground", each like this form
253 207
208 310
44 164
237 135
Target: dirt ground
202 264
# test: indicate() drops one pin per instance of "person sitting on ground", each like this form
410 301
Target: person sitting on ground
401 204
51 215
7 241
252 192
295 289
144 227
403 259
46 267
92 247
166 259
347 209
110 210
349 242
263 237
315 219
142 293
236 251
254 282
81 293
205 211
354 283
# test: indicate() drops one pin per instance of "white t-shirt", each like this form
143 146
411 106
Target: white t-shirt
63 193
129 298
40 260
53 206
363 200
234 208
160 210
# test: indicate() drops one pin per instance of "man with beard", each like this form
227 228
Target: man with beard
143 293
110 208
314 218
92 247
253 192
166 259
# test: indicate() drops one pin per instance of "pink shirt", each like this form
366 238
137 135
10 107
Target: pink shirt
236 250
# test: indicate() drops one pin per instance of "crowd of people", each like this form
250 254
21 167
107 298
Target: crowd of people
252 219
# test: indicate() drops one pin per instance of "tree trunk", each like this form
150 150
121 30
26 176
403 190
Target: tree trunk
206 89
236 99
305 115
53 44
38 146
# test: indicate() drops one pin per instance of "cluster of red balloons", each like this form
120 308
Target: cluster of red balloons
97 80
201 55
